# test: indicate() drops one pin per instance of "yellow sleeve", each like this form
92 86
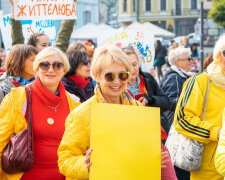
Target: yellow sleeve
187 118
220 152
74 144
6 123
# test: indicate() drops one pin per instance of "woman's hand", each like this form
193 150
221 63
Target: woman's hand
143 101
87 158
12 8
164 158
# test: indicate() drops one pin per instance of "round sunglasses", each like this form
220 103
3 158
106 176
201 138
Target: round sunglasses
45 65
123 76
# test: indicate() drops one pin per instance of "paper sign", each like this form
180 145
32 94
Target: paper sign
29 27
45 9
125 141
142 40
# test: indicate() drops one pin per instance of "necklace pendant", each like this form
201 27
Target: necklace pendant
55 110
50 121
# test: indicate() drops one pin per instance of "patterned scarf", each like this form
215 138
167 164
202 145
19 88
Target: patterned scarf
20 81
216 74
125 97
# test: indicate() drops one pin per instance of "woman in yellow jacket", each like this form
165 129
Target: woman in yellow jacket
220 153
188 114
110 68
50 105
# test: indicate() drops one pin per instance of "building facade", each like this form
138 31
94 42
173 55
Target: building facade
178 16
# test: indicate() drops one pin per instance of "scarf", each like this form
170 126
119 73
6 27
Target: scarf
45 95
20 81
181 72
141 85
216 74
125 97
81 82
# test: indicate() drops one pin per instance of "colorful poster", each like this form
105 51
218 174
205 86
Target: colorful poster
45 9
142 40
125 142
29 27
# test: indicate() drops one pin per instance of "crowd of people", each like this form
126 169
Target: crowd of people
65 79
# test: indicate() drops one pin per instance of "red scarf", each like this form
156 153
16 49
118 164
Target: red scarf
81 82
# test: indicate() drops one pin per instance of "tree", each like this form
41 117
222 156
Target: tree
218 12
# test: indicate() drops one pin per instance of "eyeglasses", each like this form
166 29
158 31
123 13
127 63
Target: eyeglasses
57 66
123 76
128 48
223 53
188 59
86 62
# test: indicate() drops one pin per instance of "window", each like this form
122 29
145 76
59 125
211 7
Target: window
163 5
134 5
124 5
147 5
193 4
87 17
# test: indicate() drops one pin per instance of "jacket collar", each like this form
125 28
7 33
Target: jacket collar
180 72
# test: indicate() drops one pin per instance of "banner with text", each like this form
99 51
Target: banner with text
45 9
29 27
142 40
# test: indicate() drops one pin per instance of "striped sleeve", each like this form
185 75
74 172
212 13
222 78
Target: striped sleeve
189 110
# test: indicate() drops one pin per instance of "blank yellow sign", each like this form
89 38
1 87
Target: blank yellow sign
126 142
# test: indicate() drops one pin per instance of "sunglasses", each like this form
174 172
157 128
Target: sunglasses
123 76
188 59
223 53
128 48
86 62
57 66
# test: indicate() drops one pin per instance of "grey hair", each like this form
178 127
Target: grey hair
177 54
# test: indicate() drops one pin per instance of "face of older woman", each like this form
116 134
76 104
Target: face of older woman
51 71
112 89
83 70
28 71
135 67
184 63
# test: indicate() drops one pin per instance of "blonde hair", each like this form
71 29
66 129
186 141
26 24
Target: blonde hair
220 45
106 55
136 53
51 51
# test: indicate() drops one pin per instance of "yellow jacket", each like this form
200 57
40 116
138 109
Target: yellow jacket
12 121
74 144
220 153
187 121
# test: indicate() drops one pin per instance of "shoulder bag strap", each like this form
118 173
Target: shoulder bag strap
206 97
29 123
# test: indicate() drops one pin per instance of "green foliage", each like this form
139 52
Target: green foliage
218 12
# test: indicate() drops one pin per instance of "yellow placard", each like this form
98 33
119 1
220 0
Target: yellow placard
126 142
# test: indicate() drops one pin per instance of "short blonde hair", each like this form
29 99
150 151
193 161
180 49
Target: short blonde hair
177 54
51 51
220 45
136 53
106 55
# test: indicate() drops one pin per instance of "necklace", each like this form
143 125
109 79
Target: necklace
54 108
